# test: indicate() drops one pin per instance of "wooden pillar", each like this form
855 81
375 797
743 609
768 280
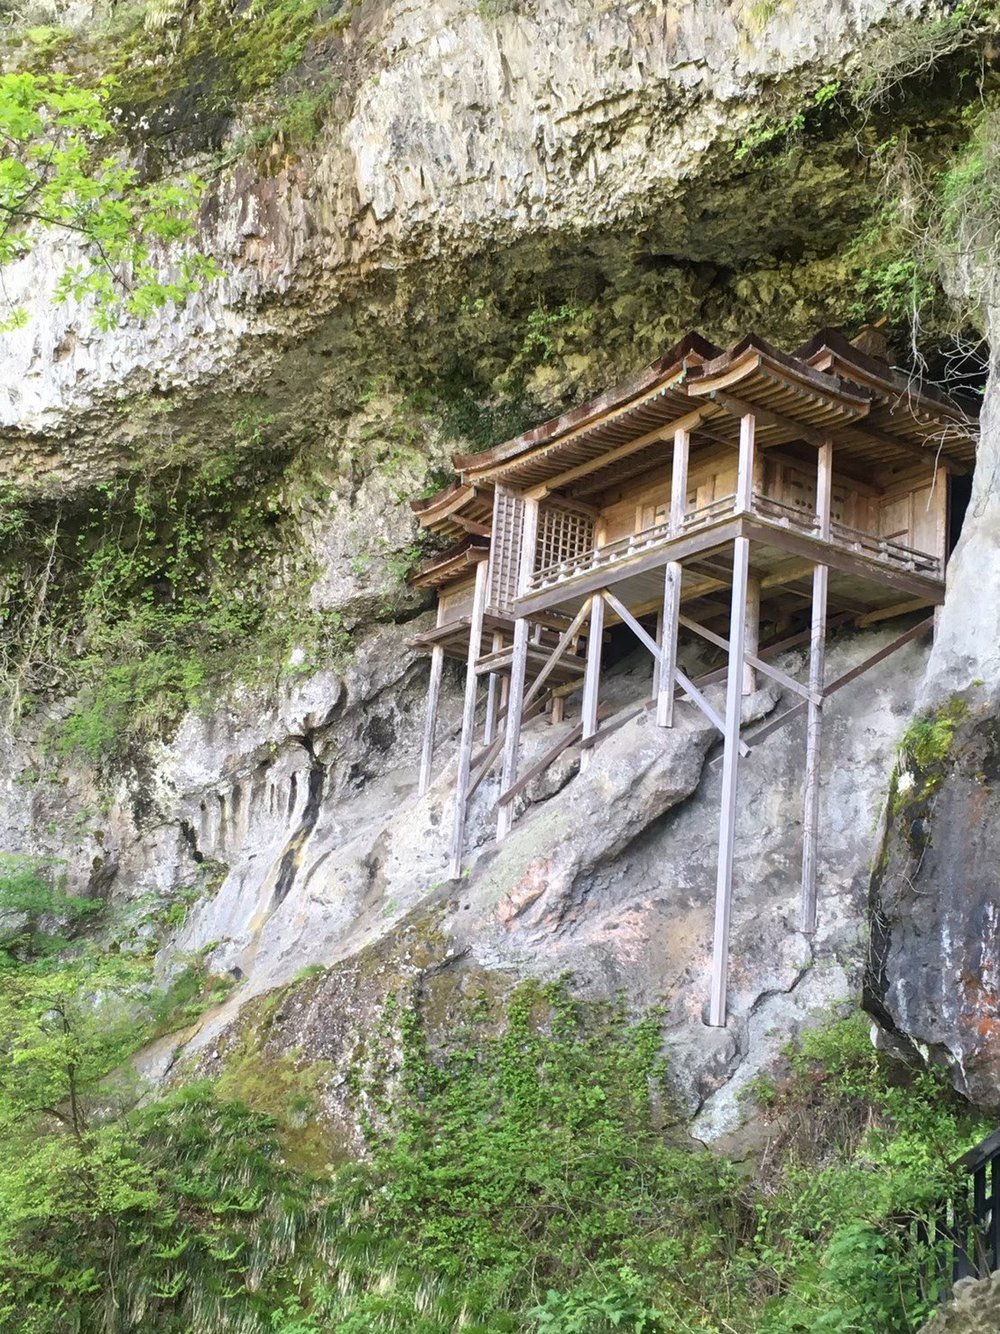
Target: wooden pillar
672 585
430 722
492 695
744 478
468 719
592 676
817 671
518 669
658 636
752 633
731 753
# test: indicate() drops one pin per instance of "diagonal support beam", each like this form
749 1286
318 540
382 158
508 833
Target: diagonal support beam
687 685
487 758
768 669
797 710
550 664
623 612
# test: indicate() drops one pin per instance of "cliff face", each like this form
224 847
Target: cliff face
501 211
936 960
471 168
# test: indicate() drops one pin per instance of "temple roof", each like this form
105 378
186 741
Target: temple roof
456 510
827 388
641 405
445 567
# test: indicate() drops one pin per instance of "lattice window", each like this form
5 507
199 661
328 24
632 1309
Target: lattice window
562 535
505 549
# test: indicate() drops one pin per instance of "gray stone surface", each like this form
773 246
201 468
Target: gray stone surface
463 147
452 135
611 878
935 978
974 1309
935 952
967 639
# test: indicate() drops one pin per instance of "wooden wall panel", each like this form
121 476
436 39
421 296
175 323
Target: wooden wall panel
456 601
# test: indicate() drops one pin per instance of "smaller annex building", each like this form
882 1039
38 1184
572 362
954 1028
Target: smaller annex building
750 497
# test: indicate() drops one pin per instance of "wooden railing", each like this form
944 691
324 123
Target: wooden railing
965 1238
961 1237
883 548
775 511
598 557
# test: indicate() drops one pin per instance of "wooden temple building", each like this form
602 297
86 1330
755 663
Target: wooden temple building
748 497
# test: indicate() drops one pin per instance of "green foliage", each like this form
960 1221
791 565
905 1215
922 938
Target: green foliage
463 415
925 755
59 170
105 1206
180 1217
927 741
225 60
520 1179
843 1257
554 1110
153 586
492 10
35 912
761 12
770 132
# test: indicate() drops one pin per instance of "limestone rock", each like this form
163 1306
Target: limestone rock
564 135
973 1309
611 878
935 979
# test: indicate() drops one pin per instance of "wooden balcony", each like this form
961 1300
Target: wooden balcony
772 522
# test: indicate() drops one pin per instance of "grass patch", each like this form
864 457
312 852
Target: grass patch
527 1176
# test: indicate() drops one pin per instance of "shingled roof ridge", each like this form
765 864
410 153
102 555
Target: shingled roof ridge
618 396
428 502
836 341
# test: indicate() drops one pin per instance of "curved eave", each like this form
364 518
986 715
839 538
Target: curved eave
457 510
443 502
450 566
630 397
761 377
830 351
915 415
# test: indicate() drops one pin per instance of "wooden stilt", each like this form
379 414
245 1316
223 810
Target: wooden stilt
592 678
668 644
518 670
672 585
430 722
817 668
656 660
468 719
549 666
731 753
752 634
492 695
